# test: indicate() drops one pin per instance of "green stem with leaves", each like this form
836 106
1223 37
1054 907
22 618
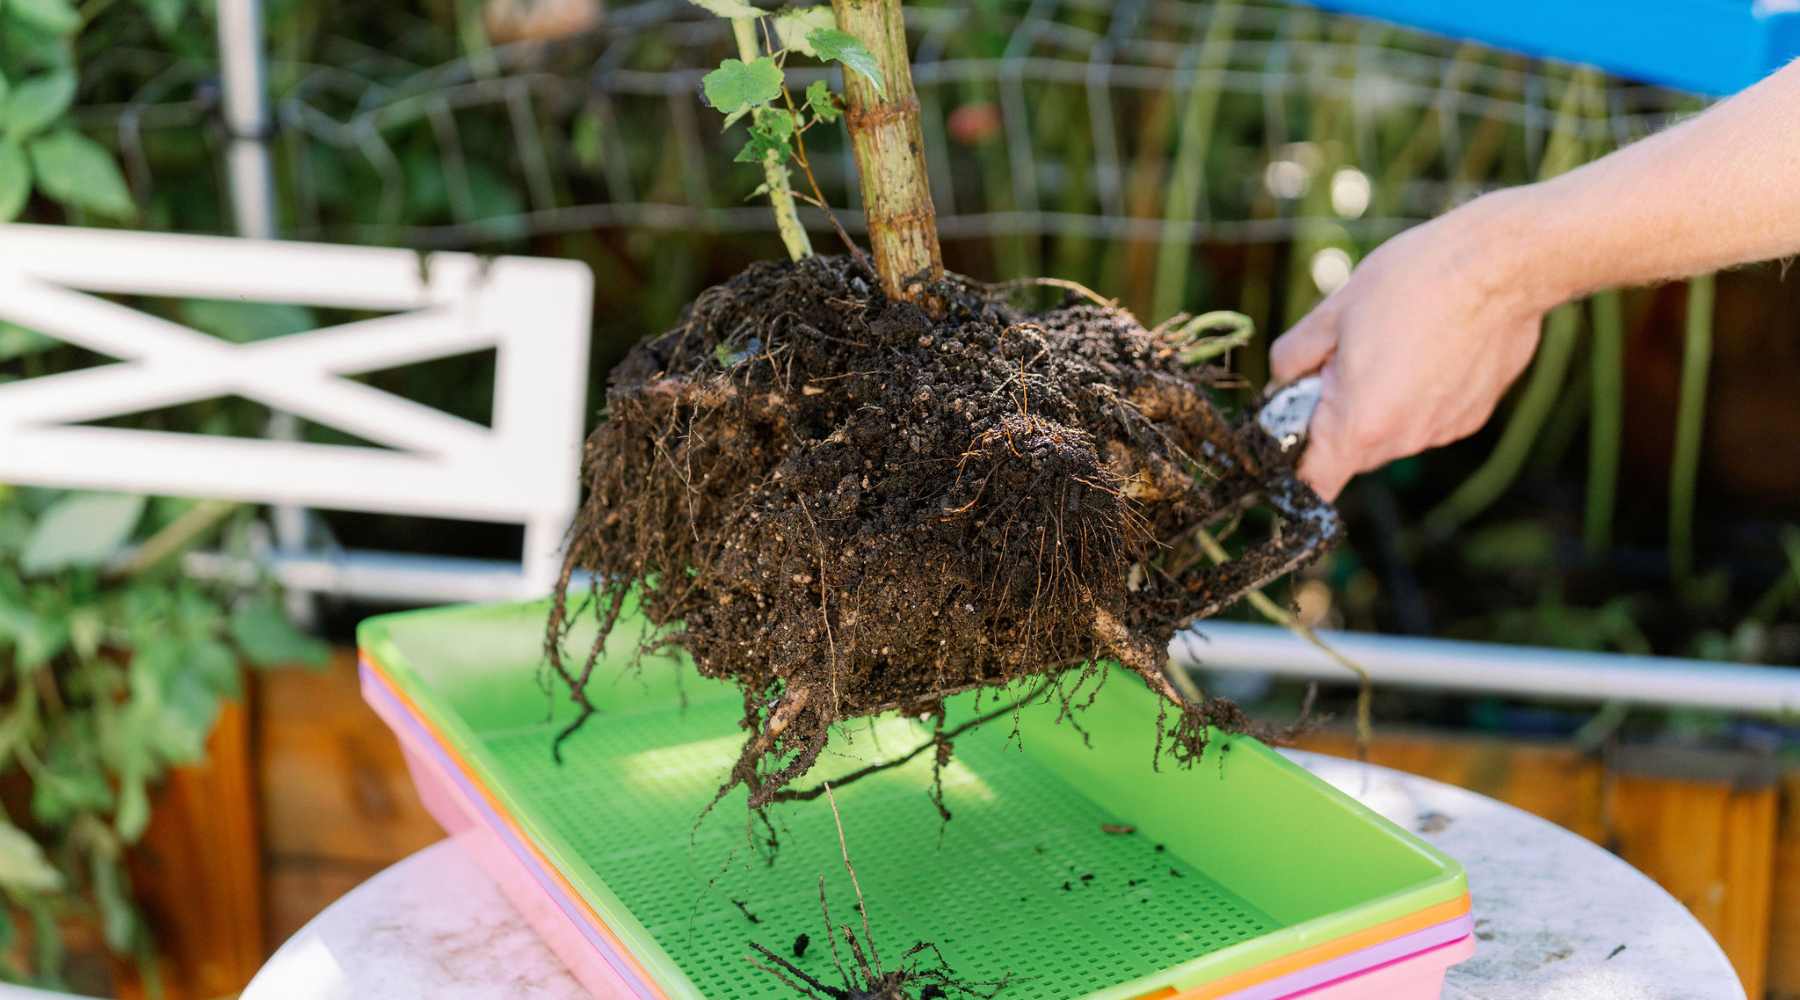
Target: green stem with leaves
775 171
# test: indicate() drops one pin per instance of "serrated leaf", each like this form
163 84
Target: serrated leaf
736 85
15 188
80 173
728 8
267 639
820 100
834 45
36 102
81 529
244 322
165 15
58 17
793 26
23 867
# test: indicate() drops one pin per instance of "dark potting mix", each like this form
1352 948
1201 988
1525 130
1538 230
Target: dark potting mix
847 505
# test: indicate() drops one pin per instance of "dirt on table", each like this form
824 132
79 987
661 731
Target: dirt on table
847 505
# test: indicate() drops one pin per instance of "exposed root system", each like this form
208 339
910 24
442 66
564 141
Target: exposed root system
848 506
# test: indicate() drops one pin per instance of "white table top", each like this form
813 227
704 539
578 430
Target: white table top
1556 917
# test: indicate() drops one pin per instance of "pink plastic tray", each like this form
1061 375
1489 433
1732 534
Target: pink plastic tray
1410 967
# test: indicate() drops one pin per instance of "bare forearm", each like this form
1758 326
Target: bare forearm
1720 189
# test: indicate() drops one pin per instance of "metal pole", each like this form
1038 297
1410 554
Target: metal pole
1451 665
251 174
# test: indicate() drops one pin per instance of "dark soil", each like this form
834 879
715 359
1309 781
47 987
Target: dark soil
848 506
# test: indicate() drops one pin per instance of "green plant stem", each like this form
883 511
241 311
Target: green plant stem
1606 420
176 536
1690 422
1486 484
1187 179
775 172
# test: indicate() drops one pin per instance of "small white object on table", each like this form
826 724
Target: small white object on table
1556 917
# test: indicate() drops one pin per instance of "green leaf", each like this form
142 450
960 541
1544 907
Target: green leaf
81 529
216 665
58 17
737 86
37 102
70 782
165 15
834 45
80 173
23 867
266 637
244 322
793 26
729 8
15 187
821 101
4 87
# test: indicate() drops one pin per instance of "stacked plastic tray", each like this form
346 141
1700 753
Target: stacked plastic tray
1072 870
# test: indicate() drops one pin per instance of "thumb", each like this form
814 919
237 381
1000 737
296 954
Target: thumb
1330 459
1304 348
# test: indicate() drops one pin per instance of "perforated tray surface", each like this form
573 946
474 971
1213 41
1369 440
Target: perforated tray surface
1235 862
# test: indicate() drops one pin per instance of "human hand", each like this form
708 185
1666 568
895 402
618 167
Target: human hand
1417 348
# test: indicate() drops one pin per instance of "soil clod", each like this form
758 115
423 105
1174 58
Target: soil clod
847 506
1118 829
800 944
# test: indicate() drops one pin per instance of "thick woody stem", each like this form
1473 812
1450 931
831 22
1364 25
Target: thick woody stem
890 152
775 172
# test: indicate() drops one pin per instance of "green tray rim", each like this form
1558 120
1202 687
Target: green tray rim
376 645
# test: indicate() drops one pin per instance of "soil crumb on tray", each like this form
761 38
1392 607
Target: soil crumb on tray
846 506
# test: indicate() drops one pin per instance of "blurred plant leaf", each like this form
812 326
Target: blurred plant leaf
81 529
244 322
16 341
165 15
133 816
268 639
80 173
585 139
793 26
23 867
834 45
820 100
118 917
1510 546
36 102
15 188
58 17
70 782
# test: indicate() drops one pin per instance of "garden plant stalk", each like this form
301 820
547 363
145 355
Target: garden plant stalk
1690 421
1608 410
775 172
1187 190
890 152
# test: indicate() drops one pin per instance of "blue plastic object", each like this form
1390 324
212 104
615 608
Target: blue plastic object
1712 47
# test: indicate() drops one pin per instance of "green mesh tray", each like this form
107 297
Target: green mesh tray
1235 863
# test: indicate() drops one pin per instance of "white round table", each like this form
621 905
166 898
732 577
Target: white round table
1556 916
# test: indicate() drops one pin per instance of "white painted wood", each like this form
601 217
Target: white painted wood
523 469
